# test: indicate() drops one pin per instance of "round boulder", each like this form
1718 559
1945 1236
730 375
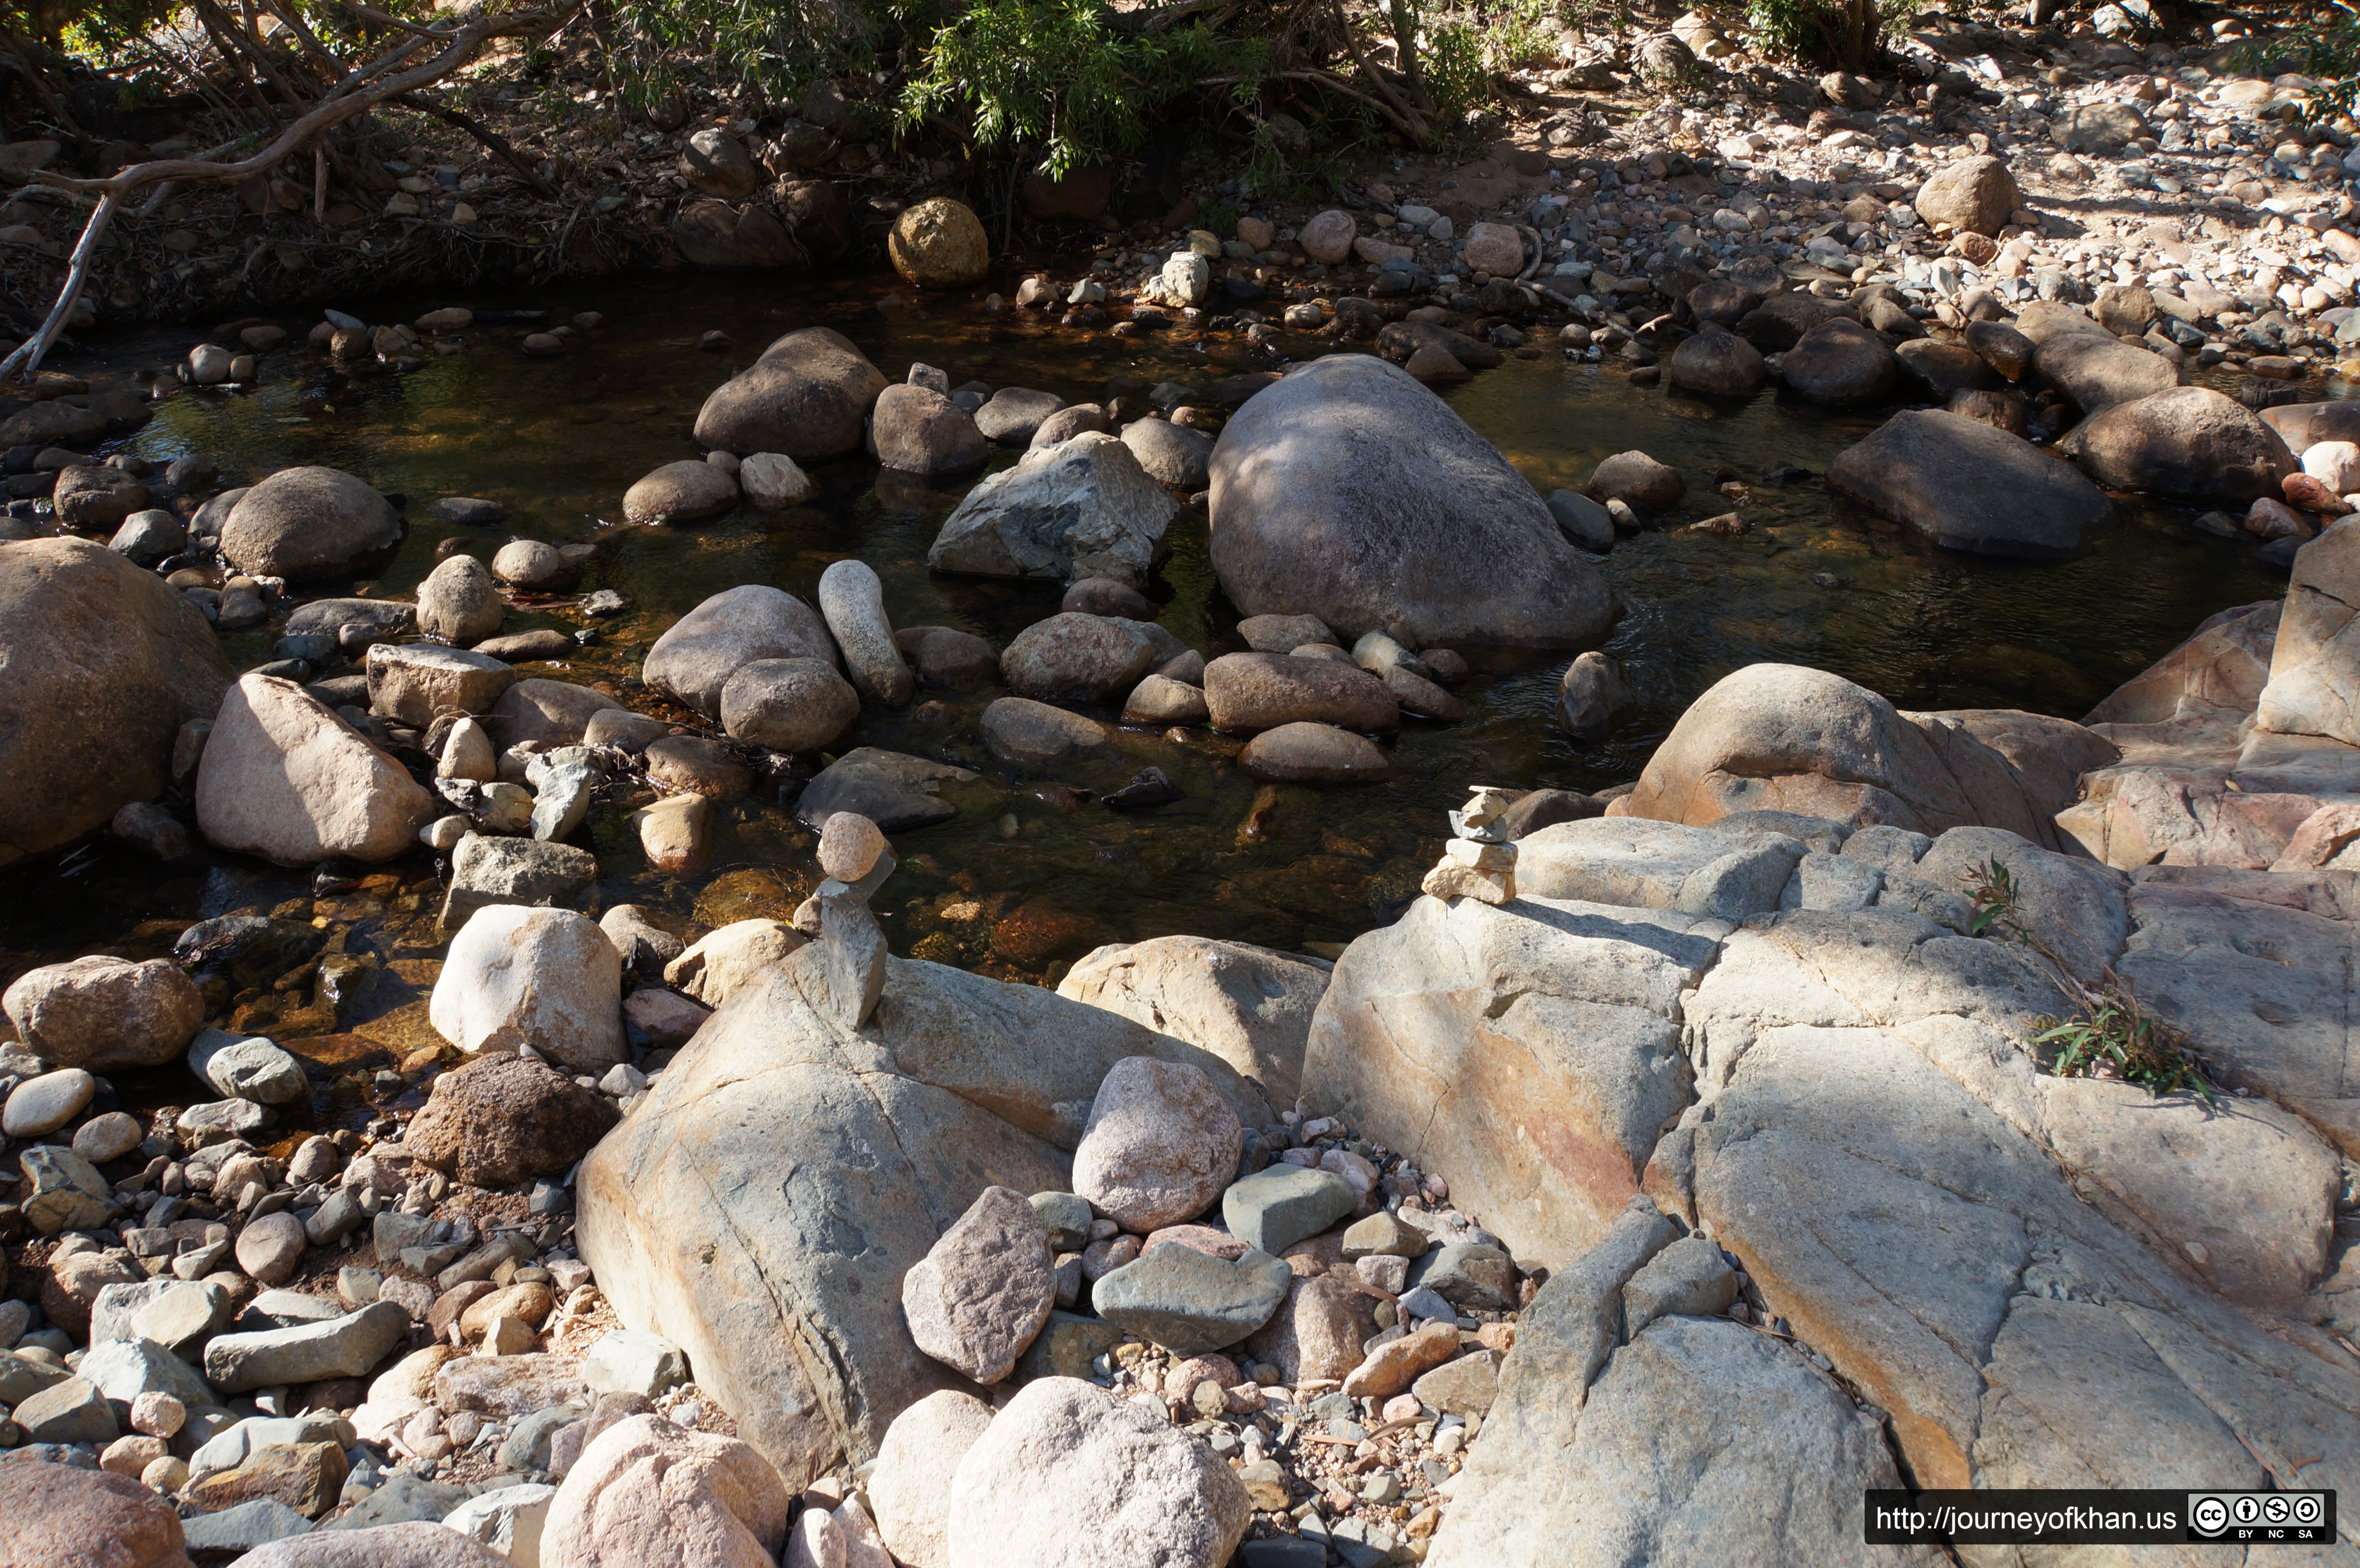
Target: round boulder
1174 457
286 778
1717 362
1314 754
1841 363
1975 194
918 430
939 243
60 1514
460 603
1074 657
1347 490
105 1015
530 563
696 656
788 705
684 492
1637 479
104 664
2188 441
1327 237
1160 1146
519 976
504 1118
805 398
308 522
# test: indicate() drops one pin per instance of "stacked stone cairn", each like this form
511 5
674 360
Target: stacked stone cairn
1479 862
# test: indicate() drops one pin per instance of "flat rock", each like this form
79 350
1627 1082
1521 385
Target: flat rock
1970 487
893 790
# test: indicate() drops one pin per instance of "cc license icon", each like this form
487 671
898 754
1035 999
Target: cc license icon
2210 1516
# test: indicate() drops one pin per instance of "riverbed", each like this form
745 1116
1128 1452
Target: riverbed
1034 871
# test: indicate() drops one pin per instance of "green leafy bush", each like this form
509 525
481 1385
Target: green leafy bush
1845 35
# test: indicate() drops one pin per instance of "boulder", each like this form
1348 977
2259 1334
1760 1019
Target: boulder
548 979
1077 658
1717 362
918 430
60 1514
1030 734
93 498
1940 370
647 1491
546 714
762 1206
697 654
308 522
1969 488
852 601
2188 440
410 681
1083 508
2103 128
2092 366
2311 691
1068 1470
104 1014
345 1346
498 1120
721 234
1307 752
1249 693
1248 1005
414 1543
1637 479
683 492
2305 425
893 790
1841 363
1173 455
460 603
286 778
717 162
1700 1441
1972 195
1347 490
788 705
1780 737
1012 414
939 243
486 870
911 1487
981 1294
104 664
1592 698
1550 1014
1159 1147
805 397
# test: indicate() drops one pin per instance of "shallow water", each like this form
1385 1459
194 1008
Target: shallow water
1030 874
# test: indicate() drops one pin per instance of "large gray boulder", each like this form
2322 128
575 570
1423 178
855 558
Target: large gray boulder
2314 683
698 653
760 1207
806 397
2186 440
104 664
1348 491
1083 508
1248 1005
308 522
1700 1441
1969 488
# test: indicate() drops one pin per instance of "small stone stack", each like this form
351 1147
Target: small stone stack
1479 862
854 854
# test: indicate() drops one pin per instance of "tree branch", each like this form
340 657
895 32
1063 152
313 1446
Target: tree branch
491 139
460 46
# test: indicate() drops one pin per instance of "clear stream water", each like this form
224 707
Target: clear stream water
1032 873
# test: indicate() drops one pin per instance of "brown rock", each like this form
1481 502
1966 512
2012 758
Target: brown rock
980 1295
104 664
500 1120
1246 693
1973 193
1391 1368
57 1515
939 243
919 430
308 522
285 777
804 397
306 1476
104 1014
1314 754
1318 1330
